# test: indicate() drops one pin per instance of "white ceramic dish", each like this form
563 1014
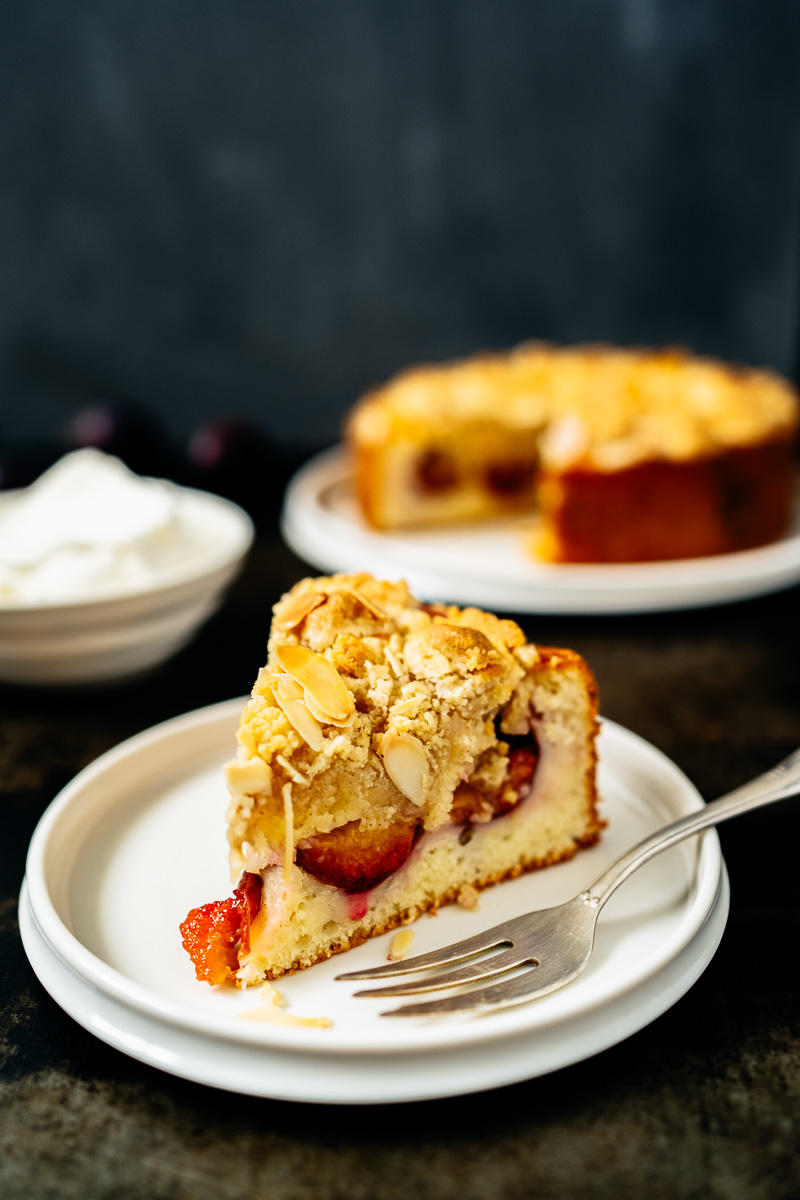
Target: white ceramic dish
108 949
123 634
486 564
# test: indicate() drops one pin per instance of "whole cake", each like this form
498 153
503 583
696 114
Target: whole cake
392 755
624 455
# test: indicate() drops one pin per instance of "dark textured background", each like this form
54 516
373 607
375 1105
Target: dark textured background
217 207
263 208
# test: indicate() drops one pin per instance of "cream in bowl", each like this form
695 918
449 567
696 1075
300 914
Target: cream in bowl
104 573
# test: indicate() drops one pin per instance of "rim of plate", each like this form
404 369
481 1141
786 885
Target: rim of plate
311 521
208 560
509 1023
275 1074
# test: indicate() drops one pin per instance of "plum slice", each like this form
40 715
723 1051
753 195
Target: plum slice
436 471
476 803
215 934
510 478
355 859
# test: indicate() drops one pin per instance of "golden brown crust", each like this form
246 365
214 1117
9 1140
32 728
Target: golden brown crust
405 667
669 403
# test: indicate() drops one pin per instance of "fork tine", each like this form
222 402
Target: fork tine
491 939
486 969
538 981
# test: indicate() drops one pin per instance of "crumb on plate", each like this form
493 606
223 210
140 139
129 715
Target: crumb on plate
274 1013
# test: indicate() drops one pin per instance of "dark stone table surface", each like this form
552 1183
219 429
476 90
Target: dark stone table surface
704 1102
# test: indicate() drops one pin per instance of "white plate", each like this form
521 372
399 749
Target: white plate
138 838
486 563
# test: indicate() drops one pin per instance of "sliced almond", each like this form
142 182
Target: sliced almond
401 944
292 771
278 1016
406 763
288 820
301 719
291 612
323 717
321 681
248 776
287 688
367 604
393 661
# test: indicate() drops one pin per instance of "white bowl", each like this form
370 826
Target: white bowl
120 634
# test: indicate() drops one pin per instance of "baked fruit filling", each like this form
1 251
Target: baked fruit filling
392 754
217 933
355 858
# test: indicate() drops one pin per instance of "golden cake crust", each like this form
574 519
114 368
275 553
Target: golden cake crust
405 665
619 405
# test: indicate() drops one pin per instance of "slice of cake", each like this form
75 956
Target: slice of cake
393 756
625 455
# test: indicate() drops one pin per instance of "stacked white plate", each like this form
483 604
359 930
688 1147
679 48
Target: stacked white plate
138 838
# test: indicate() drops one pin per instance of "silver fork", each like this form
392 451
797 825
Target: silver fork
555 944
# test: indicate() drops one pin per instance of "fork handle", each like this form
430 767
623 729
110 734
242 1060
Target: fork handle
778 783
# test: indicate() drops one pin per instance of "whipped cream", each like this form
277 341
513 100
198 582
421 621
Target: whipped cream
86 528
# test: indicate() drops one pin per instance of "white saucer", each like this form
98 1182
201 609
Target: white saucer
486 563
138 838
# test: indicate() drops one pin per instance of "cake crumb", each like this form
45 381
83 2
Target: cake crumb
274 1013
401 944
271 996
469 897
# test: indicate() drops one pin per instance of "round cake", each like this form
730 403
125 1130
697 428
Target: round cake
621 455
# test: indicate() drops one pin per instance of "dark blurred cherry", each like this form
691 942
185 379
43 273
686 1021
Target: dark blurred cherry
124 430
232 457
